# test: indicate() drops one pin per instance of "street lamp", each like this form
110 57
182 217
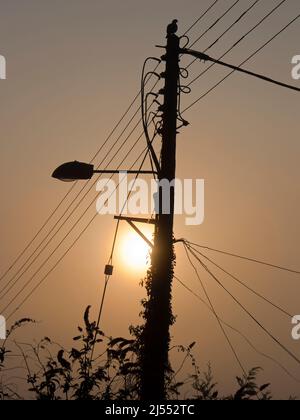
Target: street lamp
76 171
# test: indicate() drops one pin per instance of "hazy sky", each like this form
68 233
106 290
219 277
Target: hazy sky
73 67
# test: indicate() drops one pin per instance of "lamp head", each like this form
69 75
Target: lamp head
73 171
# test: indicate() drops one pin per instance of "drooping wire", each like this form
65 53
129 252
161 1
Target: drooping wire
214 311
272 359
289 270
241 282
261 326
144 111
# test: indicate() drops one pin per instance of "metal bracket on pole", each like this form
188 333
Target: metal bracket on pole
130 221
129 172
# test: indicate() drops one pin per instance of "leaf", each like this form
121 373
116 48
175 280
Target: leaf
86 318
192 345
129 368
263 387
75 354
115 341
126 342
64 363
77 338
252 393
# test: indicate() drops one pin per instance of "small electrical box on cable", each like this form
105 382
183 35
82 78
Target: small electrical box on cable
109 269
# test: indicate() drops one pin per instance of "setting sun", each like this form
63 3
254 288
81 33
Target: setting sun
135 251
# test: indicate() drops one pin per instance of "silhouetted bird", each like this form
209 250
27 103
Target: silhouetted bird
173 27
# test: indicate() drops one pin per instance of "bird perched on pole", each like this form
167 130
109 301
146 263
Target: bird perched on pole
172 28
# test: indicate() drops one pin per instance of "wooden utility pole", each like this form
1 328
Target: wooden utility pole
158 312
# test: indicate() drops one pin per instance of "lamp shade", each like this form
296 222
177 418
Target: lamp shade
73 171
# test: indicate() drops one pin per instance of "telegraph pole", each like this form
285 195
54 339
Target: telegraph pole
158 311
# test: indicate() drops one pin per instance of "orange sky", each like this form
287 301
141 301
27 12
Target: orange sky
73 67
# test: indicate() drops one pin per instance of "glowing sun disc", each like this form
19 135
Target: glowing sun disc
135 251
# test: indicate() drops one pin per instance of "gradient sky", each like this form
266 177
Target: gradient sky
73 67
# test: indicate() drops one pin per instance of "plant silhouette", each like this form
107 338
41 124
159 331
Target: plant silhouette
54 373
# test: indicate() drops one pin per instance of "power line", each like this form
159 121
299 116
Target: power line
215 23
246 258
201 17
76 207
261 21
155 85
110 261
72 228
238 331
94 157
37 234
244 62
71 189
233 24
64 222
249 73
283 347
214 311
242 283
59 261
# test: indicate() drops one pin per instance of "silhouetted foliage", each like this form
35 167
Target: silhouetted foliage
54 373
